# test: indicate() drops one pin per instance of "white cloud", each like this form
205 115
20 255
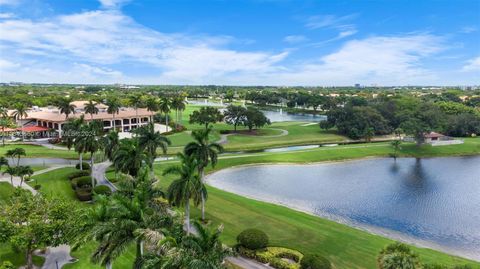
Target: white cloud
6 15
106 46
468 29
472 65
292 39
113 3
9 2
324 21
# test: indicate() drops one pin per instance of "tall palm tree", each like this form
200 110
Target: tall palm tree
16 153
20 113
164 107
130 157
89 141
113 108
178 103
70 130
4 122
152 105
23 171
186 187
91 108
136 101
4 162
204 152
150 141
110 144
66 107
12 171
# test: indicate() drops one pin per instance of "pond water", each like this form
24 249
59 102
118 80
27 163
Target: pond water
433 202
279 115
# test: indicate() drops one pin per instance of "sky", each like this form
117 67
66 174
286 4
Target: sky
241 42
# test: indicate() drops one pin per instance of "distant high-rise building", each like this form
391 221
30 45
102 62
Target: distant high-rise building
357 85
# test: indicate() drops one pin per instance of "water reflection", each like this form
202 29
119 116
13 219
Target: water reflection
436 199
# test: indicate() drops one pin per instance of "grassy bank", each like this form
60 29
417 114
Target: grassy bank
34 151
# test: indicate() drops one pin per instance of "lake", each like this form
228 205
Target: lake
432 202
279 115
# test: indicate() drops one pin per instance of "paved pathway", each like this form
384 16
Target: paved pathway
17 180
56 257
99 170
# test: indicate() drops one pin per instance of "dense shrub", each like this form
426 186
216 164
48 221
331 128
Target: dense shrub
396 254
78 174
37 187
85 166
314 261
83 181
102 190
274 256
84 194
7 265
253 239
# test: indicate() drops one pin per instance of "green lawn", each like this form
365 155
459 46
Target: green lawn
346 247
40 151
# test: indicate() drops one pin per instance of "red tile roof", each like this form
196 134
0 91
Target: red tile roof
433 135
29 129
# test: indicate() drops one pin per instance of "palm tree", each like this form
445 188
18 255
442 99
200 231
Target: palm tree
66 107
12 171
152 105
178 104
164 107
4 122
23 171
187 187
130 157
16 153
110 144
113 108
20 113
89 141
70 130
205 153
150 141
91 108
396 147
136 101
115 223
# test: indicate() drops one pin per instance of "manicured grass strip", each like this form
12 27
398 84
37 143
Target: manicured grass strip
55 183
40 151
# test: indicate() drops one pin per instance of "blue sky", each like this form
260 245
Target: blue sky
250 42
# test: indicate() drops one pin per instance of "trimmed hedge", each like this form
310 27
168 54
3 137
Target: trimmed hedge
76 174
314 261
102 190
274 256
253 239
84 194
82 181
85 166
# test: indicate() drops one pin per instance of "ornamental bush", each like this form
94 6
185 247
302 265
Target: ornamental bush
85 166
102 190
78 174
253 239
314 261
84 194
83 181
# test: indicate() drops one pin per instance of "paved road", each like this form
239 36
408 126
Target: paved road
99 170
54 256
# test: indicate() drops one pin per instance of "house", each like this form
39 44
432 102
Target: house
433 136
50 118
